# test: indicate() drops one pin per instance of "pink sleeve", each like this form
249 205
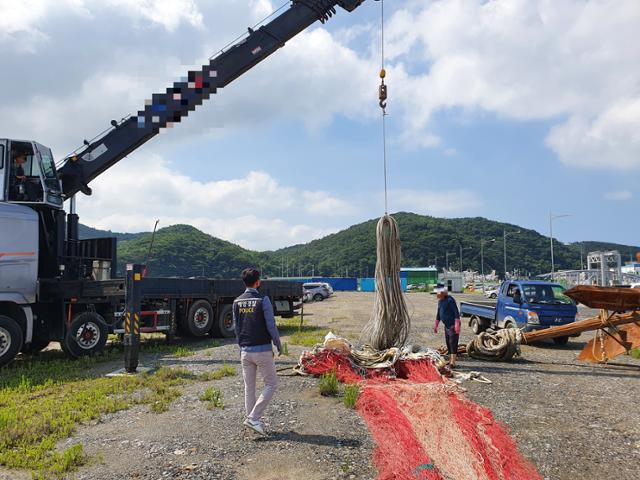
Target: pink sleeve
435 325
457 326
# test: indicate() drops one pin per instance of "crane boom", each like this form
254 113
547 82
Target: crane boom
170 107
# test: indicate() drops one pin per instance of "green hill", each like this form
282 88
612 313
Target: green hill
424 238
184 251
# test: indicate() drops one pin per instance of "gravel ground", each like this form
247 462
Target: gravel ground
569 418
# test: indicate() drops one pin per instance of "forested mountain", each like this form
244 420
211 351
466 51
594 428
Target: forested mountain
182 250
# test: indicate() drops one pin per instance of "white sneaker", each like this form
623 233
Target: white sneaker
256 426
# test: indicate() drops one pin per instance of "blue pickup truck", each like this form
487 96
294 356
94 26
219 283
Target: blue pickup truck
525 304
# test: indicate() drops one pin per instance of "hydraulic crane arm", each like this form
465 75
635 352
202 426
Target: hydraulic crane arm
170 107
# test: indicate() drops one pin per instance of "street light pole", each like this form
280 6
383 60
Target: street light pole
552 217
504 241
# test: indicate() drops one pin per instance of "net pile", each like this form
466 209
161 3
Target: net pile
422 425
390 323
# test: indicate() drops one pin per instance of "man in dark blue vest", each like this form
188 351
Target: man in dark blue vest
256 331
448 314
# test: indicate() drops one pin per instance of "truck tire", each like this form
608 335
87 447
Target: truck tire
37 345
509 324
561 340
224 326
477 325
11 339
199 319
86 336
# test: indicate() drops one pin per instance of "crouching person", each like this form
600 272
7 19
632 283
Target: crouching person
256 330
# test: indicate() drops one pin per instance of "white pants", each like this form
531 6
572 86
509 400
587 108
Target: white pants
251 363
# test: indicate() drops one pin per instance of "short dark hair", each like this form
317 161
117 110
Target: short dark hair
250 276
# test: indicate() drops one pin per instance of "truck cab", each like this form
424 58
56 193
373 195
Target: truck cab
28 174
533 305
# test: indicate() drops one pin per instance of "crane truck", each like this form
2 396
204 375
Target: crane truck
55 286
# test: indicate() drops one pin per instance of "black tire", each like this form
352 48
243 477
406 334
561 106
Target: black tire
11 339
224 326
509 324
493 295
86 336
318 297
561 340
37 345
477 325
199 319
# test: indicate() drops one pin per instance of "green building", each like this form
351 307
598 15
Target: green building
420 275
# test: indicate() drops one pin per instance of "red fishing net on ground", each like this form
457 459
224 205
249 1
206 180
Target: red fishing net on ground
422 425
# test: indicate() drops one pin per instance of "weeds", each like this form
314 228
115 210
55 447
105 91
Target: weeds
305 335
43 399
213 397
328 384
285 350
635 353
351 393
183 351
224 371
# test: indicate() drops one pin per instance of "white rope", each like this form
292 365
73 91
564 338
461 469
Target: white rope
390 323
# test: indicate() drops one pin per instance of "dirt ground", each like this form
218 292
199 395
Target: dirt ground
569 418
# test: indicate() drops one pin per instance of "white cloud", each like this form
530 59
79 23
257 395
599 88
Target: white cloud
255 211
525 60
619 195
431 202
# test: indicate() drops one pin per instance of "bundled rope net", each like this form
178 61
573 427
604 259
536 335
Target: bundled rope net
421 423
493 345
390 323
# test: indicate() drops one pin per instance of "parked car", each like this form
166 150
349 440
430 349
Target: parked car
317 290
306 296
527 305
329 287
491 293
635 285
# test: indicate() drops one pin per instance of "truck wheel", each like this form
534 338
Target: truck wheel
199 319
37 345
509 324
318 297
493 295
224 327
477 325
87 335
10 339
561 340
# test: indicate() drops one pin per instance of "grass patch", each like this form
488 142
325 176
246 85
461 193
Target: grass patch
285 349
635 353
43 399
328 385
183 351
305 335
351 393
224 371
213 397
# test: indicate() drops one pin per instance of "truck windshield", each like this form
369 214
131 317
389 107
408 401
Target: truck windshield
545 294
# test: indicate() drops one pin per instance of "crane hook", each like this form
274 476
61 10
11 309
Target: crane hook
382 90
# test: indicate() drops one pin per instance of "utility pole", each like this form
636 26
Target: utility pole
446 254
482 242
552 217
504 240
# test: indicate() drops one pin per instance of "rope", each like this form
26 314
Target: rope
498 345
390 322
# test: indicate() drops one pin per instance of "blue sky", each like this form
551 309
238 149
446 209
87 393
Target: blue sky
505 110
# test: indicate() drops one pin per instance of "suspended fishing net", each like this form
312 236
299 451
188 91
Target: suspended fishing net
390 323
